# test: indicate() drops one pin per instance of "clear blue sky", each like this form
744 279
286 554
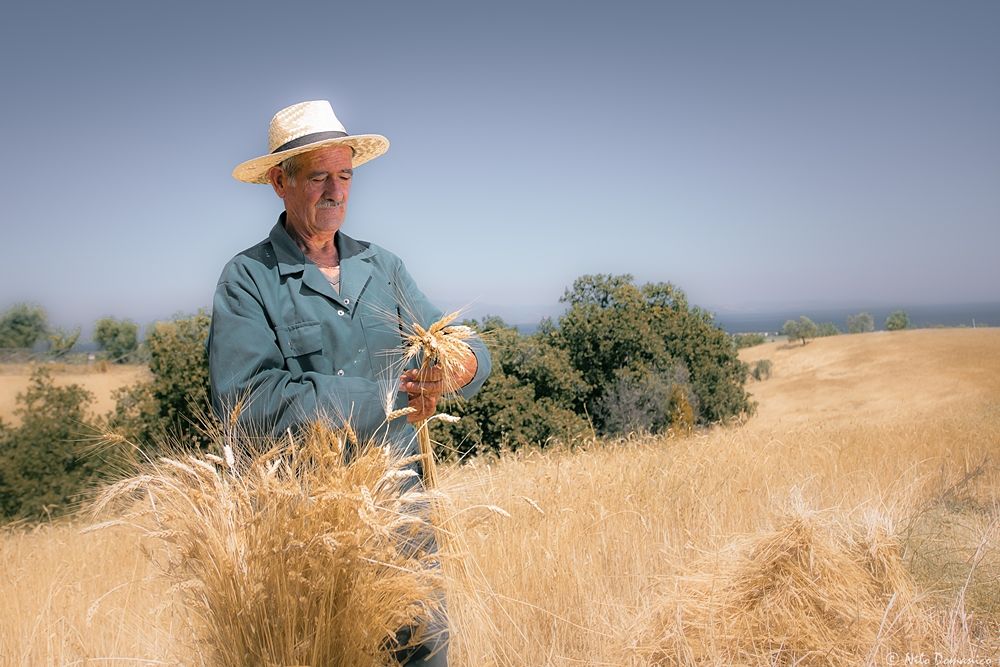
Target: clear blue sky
757 154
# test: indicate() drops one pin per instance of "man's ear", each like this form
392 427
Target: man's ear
276 177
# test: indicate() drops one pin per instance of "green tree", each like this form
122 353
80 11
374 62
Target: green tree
612 324
61 341
175 402
860 323
119 338
607 327
827 329
22 325
694 341
800 329
897 320
43 466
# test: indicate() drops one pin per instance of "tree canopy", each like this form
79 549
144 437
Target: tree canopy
897 320
22 325
119 338
860 323
800 329
619 334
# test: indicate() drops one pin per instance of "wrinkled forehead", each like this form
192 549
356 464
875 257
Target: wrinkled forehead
339 156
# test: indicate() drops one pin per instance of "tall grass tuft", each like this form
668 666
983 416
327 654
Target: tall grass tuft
309 553
813 591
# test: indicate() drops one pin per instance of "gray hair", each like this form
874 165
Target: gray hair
291 166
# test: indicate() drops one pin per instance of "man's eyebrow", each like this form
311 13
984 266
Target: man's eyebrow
319 172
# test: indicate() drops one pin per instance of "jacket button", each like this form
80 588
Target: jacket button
347 301
340 372
340 312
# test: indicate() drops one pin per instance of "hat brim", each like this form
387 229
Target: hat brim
366 147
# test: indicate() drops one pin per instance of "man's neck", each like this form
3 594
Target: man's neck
321 249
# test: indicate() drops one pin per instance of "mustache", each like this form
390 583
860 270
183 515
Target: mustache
329 203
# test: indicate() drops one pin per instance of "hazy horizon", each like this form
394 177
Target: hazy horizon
765 318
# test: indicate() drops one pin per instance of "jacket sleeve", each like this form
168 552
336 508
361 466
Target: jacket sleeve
246 366
413 302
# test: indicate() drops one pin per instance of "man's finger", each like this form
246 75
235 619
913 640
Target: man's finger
425 407
423 388
430 374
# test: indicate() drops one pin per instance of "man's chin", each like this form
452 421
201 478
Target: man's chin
329 225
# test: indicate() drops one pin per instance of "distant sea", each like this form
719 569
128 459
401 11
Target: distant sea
947 315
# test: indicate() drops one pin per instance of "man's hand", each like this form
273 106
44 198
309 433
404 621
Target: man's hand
424 387
464 376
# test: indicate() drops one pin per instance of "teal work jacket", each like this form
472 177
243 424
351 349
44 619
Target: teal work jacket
285 341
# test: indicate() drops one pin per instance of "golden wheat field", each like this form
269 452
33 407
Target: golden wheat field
855 519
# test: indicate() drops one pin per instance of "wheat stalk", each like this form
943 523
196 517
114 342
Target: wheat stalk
440 345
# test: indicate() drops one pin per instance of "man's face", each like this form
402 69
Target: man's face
316 198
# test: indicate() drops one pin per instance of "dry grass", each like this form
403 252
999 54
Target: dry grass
311 553
72 599
621 523
808 592
678 551
14 379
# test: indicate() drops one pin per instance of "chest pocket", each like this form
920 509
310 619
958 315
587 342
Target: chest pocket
302 346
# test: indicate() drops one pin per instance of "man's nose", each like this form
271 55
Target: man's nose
335 189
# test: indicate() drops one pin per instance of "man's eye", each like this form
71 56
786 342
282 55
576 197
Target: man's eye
318 179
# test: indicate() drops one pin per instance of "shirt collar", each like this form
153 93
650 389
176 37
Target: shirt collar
291 258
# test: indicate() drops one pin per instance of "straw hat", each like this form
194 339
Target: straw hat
305 127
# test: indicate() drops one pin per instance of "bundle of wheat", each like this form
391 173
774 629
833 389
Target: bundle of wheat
294 556
810 592
442 345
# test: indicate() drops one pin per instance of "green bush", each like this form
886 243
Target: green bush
119 338
761 370
528 399
175 402
897 320
748 340
643 400
61 341
22 325
860 323
44 466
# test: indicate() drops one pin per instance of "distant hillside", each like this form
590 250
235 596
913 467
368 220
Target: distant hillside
877 377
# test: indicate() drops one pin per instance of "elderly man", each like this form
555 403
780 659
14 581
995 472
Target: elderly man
307 323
